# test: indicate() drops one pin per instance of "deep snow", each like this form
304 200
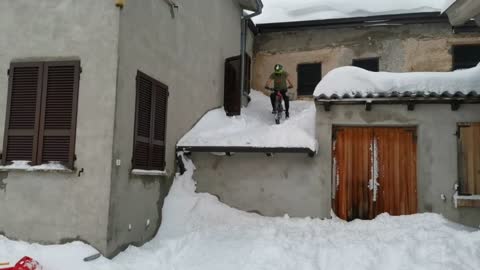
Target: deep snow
304 10
256 127
201 233
353 80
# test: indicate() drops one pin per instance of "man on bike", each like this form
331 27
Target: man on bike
280 79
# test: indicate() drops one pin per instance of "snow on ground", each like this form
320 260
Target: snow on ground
305 10
201 233
256 127
353 80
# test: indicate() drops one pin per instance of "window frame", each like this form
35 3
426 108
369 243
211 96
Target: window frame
455 56
299 65
151 139
41 106
367 59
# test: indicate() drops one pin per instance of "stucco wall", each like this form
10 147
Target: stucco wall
187 53
417 47
301 186
272 186
55 207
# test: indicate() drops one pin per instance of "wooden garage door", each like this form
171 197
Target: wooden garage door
374 171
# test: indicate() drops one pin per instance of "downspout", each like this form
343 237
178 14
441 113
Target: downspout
243 44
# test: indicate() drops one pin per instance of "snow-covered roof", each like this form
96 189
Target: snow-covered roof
276 11
255 127
353 82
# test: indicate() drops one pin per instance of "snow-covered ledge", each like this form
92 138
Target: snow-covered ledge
255 129
466 200
22 165
149 172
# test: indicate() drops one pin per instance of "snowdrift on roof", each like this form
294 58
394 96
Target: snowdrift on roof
304 10
255 127
353 82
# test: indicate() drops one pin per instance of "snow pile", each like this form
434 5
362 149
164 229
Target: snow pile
305 10
201 233
356 81
21 165
256 127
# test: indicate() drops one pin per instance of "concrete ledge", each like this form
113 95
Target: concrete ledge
149 172
467 201
23 166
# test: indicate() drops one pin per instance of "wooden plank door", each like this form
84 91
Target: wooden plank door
374 171
352 163
397 172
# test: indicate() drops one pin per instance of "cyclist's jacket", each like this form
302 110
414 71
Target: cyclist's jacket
279 81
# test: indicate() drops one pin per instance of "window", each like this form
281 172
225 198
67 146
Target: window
367 64
469 158
150 124
41 115
465 56
309 75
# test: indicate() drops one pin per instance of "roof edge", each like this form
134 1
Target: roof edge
246 149
366 21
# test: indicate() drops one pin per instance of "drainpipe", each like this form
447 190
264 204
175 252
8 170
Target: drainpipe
243 44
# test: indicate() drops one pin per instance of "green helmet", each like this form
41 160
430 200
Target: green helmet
278 69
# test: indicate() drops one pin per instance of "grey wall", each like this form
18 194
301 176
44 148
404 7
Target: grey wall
300 186
186 53
53 207
272 186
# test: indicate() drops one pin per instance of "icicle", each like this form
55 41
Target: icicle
373 183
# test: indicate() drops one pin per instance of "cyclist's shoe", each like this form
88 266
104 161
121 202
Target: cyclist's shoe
274 111
287 115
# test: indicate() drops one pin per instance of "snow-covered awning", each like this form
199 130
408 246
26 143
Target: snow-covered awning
352 85
254 130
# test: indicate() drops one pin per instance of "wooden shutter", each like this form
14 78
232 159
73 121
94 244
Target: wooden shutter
23 109
159 114
232 95
150 123
469 158
58 118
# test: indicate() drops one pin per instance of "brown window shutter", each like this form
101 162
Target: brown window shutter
23 109
143 114
469 159
159 113
58 116
150 123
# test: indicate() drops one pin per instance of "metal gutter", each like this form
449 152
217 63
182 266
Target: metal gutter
455 102
243 39
368 21
246 149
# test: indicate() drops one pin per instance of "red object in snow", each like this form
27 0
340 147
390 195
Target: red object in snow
26 263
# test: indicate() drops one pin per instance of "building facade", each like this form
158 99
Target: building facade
101 91
422 136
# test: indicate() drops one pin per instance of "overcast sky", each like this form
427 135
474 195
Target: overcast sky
300 10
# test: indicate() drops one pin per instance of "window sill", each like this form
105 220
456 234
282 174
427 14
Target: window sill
462 201
23 166
149 172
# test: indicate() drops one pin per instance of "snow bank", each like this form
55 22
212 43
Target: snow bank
201 233
356 81
305 10
256 127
